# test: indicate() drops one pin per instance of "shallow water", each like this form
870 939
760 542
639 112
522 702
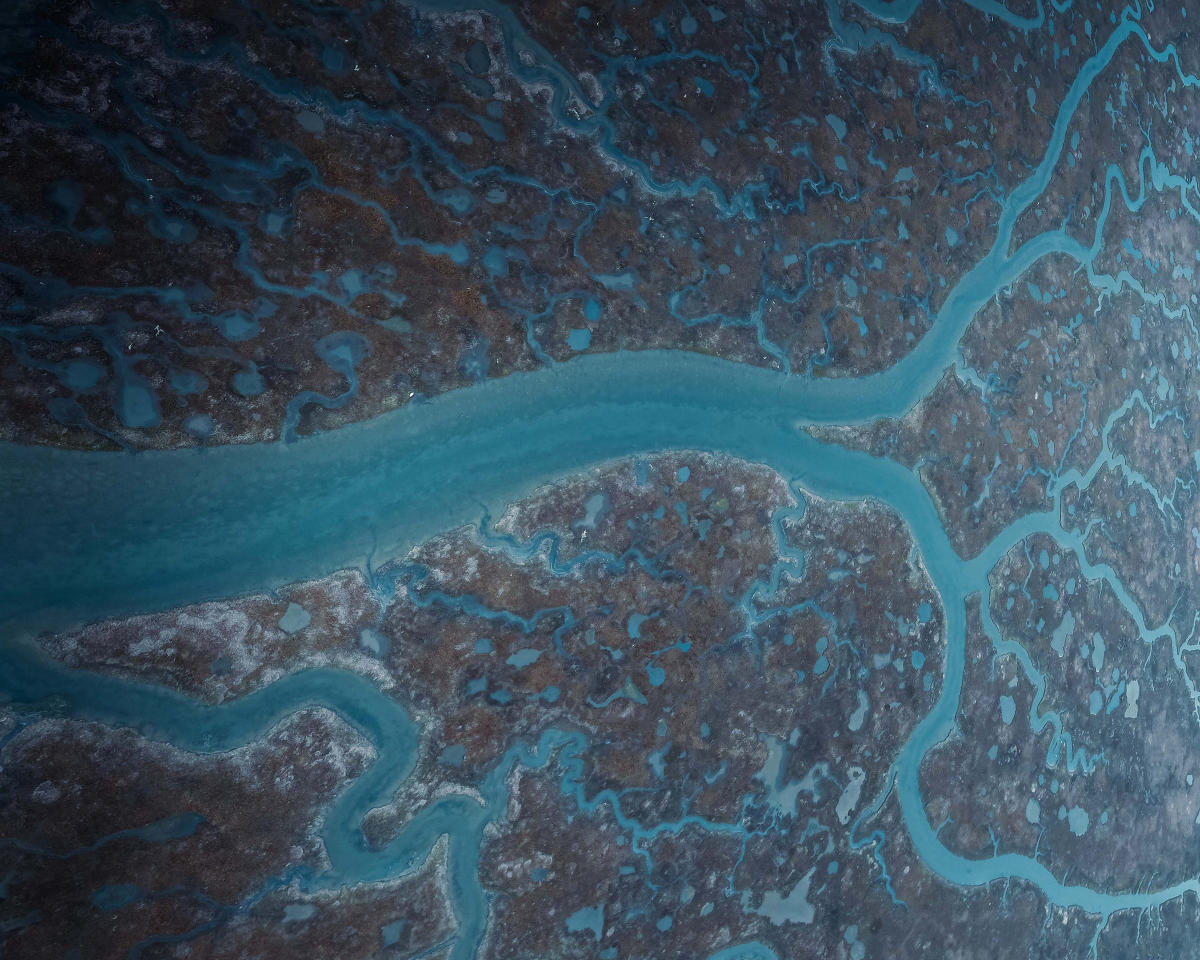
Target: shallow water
111 534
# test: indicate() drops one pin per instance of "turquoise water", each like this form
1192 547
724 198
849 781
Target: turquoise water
107 534
237 519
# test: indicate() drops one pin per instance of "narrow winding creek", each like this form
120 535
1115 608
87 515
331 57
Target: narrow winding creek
101 534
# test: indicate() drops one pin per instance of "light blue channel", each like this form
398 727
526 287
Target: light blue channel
88 535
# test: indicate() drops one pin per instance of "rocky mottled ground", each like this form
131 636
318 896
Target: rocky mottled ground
662 708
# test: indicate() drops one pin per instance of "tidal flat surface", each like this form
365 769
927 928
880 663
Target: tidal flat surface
646 480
